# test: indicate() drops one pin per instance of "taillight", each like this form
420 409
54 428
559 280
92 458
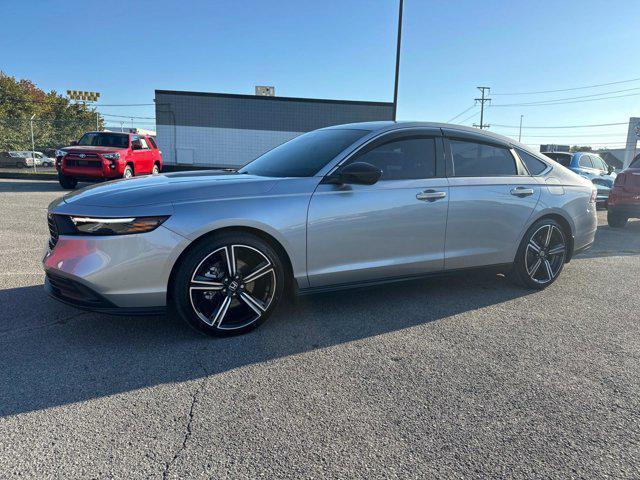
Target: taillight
594 196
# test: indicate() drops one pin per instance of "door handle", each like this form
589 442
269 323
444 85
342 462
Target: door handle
521 191
431 195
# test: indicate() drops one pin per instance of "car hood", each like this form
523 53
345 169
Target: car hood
171 188
79 149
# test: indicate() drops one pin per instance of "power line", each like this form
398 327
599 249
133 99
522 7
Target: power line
570 89
565 126
554 102
125 116
461 113
469 118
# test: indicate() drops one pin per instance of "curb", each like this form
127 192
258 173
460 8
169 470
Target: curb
29 176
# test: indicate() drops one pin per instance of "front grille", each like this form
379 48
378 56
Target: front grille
86 155
53 231
71 162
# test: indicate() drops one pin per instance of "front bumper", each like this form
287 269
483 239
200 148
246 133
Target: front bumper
110 273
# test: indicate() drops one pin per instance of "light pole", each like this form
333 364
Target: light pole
520 131
395 88
33 144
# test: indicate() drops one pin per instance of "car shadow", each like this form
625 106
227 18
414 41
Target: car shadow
615 242
34 186
53 355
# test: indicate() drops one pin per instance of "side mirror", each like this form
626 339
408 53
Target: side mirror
358 173
74 143
610 169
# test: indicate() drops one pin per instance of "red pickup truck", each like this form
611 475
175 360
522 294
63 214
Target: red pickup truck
107 156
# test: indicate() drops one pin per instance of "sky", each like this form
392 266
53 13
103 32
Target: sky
345 50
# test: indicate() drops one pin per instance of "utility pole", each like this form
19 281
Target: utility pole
97 124
395 88
520 131
33 143
122 127
482 101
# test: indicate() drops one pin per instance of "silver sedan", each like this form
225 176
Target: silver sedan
334 208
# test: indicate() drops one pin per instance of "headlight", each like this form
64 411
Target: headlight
116 226
111 156
61 153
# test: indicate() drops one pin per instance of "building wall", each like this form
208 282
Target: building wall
224 130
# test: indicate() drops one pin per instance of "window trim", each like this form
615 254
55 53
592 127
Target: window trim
396 134
521 170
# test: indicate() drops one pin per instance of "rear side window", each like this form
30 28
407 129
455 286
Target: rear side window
471 159
535 166
152 141
585 161
403 159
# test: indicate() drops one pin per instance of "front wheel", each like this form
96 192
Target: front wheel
67 182
229 284
541 255
616 220
128 172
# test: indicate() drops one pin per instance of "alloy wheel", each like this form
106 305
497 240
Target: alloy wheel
545 254
232 287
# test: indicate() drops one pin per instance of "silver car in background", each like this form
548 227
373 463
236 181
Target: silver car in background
338 207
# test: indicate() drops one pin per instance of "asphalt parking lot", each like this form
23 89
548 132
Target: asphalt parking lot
459 377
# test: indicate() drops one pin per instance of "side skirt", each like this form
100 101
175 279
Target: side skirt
384 281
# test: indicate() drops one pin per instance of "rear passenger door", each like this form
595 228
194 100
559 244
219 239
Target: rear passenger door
492 197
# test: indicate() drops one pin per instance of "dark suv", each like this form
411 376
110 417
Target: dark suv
107 156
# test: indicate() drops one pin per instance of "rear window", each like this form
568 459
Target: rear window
534 165
563 159
472 159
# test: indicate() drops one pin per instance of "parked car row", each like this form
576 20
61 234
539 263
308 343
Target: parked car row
591 166
24 159
107 156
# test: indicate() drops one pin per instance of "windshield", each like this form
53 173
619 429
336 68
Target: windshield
563 159
304 156
101 139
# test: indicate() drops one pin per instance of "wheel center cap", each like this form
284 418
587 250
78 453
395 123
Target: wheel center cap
543 254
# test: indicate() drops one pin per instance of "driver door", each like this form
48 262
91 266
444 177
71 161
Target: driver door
394 228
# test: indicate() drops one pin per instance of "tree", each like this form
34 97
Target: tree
577 148
57 120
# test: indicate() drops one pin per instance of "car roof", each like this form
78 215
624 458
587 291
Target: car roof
382 126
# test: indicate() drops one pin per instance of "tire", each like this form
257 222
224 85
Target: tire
155 170
232 306
540 257
66 182
616 220
128 172
20 165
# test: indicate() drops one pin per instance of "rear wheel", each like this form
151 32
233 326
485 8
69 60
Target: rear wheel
541 255
20 165
67 182
616 220
228 285
155 170
128 172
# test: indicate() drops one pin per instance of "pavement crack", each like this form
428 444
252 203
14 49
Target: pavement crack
187 431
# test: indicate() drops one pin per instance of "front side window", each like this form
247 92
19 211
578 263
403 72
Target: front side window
598 163
403 159
104 139
585 161
471 159
304 156
534 165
